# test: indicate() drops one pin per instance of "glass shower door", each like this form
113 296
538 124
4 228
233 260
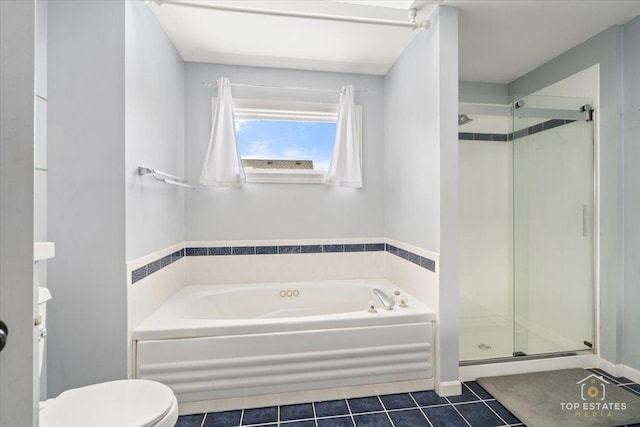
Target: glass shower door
553 226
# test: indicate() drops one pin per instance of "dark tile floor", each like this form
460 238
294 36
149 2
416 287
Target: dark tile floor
474 408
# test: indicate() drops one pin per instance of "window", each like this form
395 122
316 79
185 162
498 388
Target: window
285 141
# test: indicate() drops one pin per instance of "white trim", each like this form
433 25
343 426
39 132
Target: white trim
597 216
285 176
631 373
247 108
449 388
619 370
144 260
283 242
609 367
471 373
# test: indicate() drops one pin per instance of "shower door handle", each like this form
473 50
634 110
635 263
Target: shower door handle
4 333
584 221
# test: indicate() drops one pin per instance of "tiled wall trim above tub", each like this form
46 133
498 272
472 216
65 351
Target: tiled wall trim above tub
423 262
148 269
549 124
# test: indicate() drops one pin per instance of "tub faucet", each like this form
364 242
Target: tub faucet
387 302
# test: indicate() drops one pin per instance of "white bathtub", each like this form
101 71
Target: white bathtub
220 341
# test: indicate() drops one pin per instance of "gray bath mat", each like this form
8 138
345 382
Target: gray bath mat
566 398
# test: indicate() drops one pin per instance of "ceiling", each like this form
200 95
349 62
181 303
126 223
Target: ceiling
499 40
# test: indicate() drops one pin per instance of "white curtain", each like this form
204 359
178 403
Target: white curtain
345 169
222 164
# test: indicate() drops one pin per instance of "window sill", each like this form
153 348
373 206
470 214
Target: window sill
285 176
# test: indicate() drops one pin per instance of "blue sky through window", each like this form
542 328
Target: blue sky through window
286 140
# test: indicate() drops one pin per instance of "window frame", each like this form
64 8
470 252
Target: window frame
269 109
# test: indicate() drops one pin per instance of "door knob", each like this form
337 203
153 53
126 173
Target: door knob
4 332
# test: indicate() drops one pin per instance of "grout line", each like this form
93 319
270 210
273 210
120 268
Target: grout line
295 420
420 409
353 420
485 403
338 416
315 416
385 411
402 409
439 405
459 413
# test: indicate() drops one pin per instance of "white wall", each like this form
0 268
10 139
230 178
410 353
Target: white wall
18 360
40 156
483 93
282 211
631 156
421 162
412 143
603 49
87 317
40 173
449 243
154 132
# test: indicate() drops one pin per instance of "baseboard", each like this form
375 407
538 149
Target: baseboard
610 367
619 370
473 372
293 397
449 388
631 373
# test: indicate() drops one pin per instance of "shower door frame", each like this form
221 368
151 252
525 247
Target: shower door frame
593 116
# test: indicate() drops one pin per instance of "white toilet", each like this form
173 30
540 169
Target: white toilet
125 403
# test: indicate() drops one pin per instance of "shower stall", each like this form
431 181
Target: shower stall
527 240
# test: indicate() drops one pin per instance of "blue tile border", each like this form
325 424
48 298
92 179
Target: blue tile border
216 251
243 250
264 250
150 268
423 262
371 247
540 127
286 249
157 265
289 249
359 247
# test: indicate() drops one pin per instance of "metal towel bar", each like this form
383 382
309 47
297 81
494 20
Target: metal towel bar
165 177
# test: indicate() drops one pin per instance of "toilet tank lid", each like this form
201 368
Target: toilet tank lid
44 295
